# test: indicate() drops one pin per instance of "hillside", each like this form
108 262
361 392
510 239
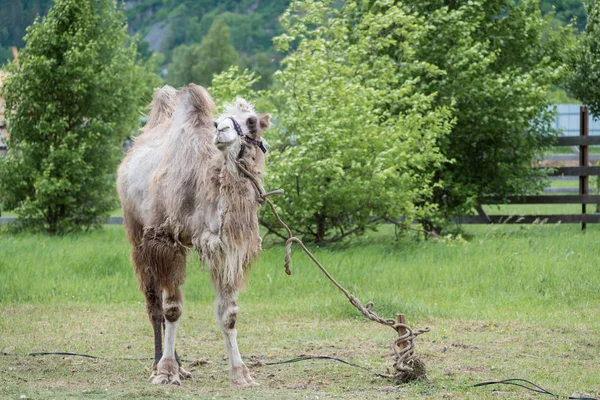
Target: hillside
167 24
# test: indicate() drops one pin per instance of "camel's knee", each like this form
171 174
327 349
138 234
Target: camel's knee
172 304
228 318
172 311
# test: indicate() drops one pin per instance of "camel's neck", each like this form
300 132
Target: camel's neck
238 184
240 219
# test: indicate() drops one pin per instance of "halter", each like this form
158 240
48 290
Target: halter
238 130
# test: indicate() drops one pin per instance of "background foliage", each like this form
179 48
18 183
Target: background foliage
199 62
74 96
351 162
495 67
422 114
168 24
584 81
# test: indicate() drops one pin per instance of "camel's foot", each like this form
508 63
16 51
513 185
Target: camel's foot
183 374
240 377
167 372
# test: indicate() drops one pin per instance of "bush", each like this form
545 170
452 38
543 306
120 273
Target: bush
73 98
344 161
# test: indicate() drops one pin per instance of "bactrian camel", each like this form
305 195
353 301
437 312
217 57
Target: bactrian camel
181 189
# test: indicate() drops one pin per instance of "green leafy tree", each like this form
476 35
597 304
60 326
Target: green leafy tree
264 65
198 63
73 97
5 55
232 83
15 16
584 82
566 11
494 67
343 158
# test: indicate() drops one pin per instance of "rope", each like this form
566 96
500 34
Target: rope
407 366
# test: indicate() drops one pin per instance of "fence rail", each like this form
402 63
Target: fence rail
583 172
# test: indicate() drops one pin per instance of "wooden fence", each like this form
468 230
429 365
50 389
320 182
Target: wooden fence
583 171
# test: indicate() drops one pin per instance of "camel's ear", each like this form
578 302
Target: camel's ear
242 104
265 121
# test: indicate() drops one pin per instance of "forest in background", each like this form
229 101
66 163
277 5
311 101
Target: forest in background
196 39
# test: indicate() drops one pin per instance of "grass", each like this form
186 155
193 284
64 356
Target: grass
512 301
569 150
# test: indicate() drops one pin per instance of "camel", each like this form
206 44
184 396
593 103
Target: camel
180 188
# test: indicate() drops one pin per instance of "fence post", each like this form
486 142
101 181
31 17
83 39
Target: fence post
583 159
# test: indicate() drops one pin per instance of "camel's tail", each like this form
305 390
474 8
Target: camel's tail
197 104
162 106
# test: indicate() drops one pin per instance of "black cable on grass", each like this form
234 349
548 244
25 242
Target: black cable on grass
64 353
514 381
305 357
258 363
524 383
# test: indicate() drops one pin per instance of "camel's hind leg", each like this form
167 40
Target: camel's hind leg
226 315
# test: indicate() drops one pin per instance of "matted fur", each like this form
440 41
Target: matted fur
179 191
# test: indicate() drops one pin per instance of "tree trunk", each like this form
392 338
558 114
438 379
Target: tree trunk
321 227
52 221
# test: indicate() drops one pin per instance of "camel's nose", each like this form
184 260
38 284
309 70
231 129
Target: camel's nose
225 134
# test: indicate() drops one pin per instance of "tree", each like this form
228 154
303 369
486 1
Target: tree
566 11
584 81
198 63
264 65
494 67
15 16
344 160
74 96
232 83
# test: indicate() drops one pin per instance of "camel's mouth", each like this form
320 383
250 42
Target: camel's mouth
221 145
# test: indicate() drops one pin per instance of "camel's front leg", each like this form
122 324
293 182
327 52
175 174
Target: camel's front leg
226 315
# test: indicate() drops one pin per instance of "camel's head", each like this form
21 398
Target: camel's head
238 134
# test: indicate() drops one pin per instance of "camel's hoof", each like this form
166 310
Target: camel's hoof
167 372
244 383
163 379
183 374
240 377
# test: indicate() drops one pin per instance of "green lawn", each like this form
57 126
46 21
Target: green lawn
511 301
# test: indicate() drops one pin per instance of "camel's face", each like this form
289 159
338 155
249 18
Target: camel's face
225 134
228 139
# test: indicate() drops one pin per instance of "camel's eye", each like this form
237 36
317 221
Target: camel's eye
251 123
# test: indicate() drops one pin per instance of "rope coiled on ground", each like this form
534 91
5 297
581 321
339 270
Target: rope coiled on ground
407 366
